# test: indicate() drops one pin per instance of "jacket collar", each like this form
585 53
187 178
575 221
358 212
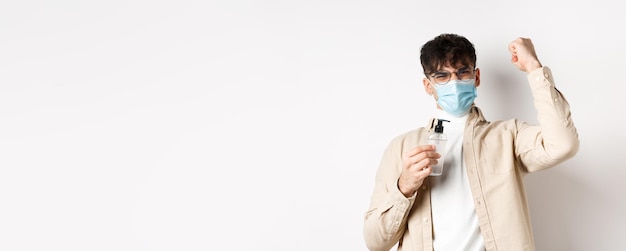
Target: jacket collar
475 115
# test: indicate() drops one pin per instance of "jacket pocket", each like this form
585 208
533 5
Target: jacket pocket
497 158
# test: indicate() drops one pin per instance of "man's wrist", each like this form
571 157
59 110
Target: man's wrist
531 66
406 194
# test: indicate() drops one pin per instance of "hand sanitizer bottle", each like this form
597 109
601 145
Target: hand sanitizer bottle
439 139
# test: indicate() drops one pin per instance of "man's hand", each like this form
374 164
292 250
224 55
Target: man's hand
416 167
523 55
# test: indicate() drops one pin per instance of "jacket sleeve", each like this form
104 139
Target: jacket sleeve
555 139
385 220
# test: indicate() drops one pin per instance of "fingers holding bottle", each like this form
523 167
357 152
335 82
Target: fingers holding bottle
416 165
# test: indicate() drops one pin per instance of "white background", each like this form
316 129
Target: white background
259 125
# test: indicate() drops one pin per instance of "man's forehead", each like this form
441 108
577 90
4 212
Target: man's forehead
451 67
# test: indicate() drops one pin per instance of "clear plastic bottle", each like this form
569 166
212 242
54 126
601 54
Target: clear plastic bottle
439 139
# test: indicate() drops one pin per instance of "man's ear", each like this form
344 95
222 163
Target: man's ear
477 77
427 86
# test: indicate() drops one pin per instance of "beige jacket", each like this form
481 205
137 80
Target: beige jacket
497 155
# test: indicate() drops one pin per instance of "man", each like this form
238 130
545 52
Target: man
479 202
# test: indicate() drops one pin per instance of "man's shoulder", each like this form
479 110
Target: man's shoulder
500 126
504 122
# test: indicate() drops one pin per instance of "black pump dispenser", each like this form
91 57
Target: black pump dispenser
438 139
439 126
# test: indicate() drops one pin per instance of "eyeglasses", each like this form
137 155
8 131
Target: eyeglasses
443 77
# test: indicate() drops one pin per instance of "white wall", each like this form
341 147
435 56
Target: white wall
259 125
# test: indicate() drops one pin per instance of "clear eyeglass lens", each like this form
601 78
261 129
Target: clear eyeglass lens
444 76
464 74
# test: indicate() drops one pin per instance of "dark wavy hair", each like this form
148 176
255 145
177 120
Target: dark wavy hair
445 49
